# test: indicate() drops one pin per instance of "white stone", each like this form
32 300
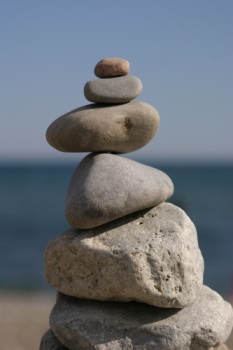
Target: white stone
93 325
151 256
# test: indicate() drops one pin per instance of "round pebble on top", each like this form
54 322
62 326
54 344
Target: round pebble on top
111 67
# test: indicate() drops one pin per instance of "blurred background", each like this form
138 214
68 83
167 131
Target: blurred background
181 50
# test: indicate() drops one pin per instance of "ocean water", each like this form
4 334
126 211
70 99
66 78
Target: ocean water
32 205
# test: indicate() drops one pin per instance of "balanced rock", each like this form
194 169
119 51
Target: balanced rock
105 187
50 342
117 90
111 67
87 325
95 128
151 256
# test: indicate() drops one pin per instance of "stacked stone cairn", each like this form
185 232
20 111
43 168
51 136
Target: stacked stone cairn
129 273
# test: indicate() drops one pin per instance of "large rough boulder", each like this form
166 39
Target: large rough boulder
105 187
88 325
151 256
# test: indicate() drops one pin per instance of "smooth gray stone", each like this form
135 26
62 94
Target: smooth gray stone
50 342
113 90
151 256
102 128
89 325
105 187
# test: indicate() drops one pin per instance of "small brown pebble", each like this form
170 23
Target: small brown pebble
111 67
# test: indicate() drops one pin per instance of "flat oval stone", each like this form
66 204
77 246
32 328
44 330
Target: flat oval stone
111 67
95 128
88 324
105 187
151 256
113 90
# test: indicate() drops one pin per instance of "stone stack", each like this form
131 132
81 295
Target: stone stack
129 273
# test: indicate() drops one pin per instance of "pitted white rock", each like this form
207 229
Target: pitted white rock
151 256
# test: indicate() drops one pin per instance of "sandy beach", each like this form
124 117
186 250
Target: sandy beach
24 319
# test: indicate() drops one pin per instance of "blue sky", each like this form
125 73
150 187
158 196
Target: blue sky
181 50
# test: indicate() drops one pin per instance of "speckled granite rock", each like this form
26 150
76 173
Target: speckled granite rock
86 324
50 342
111 67
105 187
150 256
113 90
95 128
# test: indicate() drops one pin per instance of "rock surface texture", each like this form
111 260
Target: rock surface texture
220 347
129 272
85 324
105 187
151 257
111 67
50 342
95 128
118 90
